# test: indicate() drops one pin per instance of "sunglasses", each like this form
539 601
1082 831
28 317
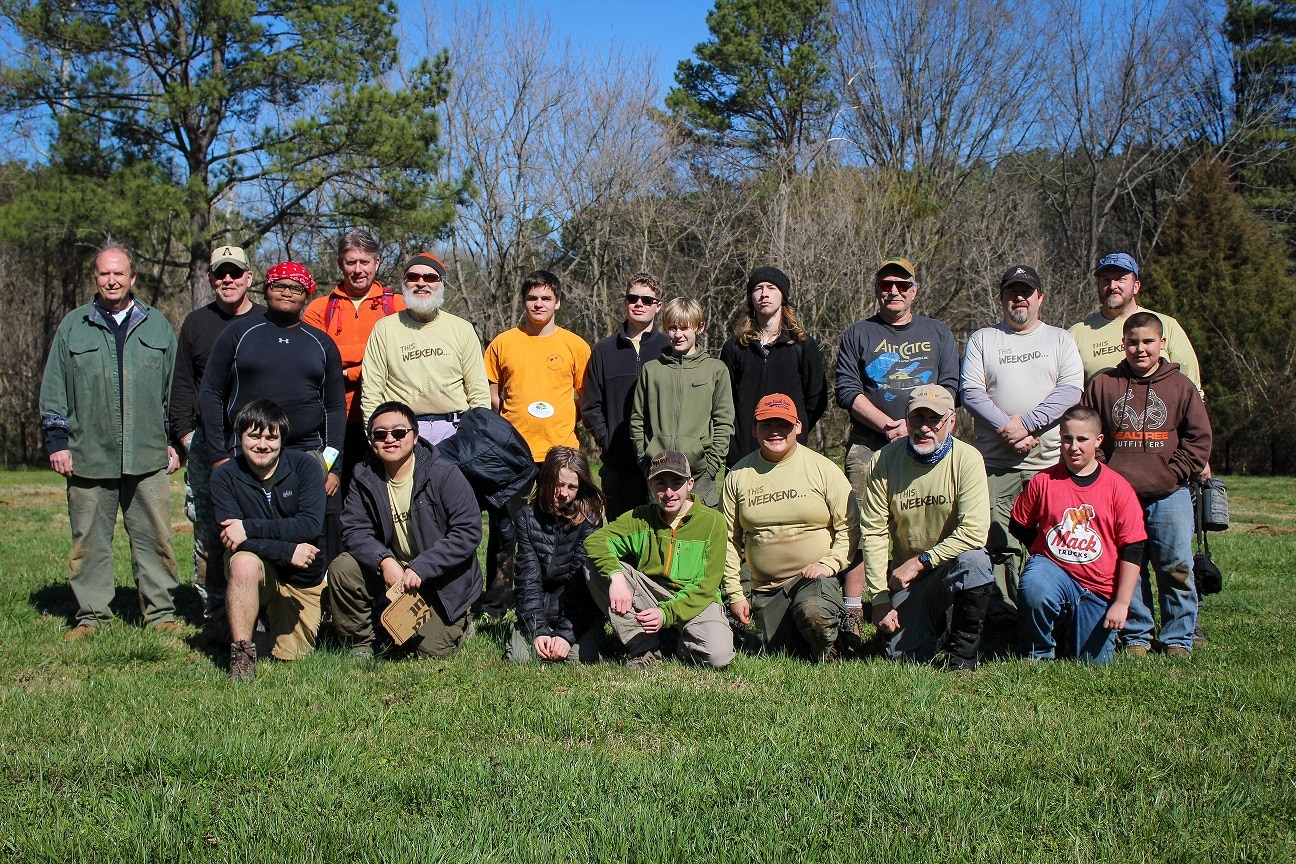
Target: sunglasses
380 435
229 270
897 287
642 299
429 278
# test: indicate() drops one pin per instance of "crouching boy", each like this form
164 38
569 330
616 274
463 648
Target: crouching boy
411 519
659 568
1084 528
269 503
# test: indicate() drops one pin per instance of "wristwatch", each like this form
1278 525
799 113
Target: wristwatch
925 560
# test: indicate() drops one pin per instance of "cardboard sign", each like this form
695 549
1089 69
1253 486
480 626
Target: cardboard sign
404 615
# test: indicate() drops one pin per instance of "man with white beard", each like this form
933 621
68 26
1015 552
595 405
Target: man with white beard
924 517
425 357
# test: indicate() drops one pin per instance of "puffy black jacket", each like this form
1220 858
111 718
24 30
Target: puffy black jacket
445 527
552 597
492 455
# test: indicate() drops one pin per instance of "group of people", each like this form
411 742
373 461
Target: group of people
320 479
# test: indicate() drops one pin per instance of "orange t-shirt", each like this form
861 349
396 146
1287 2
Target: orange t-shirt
539 380
349 326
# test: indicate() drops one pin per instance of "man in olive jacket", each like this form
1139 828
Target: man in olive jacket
103 402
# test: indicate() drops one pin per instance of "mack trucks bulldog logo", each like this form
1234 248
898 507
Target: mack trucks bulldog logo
1073 540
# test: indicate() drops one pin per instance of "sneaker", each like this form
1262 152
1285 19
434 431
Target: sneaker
1179 652
80 631
175 628
1138 651
644 660
242 662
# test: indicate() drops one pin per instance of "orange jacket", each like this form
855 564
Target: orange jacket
349 328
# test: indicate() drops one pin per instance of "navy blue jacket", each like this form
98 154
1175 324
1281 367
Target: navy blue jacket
293 514
608 395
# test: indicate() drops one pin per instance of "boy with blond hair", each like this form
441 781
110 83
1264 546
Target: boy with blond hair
683 401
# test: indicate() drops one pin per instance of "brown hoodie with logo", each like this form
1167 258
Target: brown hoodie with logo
1155 429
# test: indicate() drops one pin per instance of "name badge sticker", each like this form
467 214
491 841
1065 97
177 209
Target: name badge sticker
543 410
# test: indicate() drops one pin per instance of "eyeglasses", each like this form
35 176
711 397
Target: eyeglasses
641 299
380 435
287 288
1015 291
430 278
919 421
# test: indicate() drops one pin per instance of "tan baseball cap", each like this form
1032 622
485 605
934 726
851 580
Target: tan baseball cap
229 255
935 399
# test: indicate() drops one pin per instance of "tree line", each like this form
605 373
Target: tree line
819 137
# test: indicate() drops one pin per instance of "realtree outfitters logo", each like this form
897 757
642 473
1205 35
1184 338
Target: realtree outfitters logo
1073 540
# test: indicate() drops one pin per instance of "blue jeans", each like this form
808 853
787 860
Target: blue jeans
1169 551
1057 616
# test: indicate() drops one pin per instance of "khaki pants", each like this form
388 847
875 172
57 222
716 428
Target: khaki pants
518 648
1005 552
358 594
293 611
706 639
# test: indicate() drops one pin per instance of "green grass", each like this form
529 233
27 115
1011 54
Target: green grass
132 747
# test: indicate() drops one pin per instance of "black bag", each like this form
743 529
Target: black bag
1208 577
1210 505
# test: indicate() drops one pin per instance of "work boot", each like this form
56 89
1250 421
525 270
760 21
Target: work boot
242 662
966 624
850 633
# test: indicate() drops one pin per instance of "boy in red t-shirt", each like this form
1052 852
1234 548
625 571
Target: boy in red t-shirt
1084 527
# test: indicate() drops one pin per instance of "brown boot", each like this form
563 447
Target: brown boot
242 662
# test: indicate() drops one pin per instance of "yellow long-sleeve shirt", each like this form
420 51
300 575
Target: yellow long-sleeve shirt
941 509
782 516
434 367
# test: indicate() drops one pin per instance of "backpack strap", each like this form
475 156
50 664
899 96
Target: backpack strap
329 311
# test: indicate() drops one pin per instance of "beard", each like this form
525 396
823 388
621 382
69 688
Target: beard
1019 316
924 446
424 306
1116 301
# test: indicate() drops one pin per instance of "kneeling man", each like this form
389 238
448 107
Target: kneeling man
1084 527
410 518
927 499
269 503
791 515
659 568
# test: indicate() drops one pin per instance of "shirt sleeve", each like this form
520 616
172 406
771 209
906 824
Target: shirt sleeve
731 587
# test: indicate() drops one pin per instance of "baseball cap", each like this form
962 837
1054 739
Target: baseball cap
229 255
776 405
935 399
1117 259
669 462
901 263
1023 274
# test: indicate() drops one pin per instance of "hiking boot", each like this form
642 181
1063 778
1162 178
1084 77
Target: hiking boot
80 631
242 662
1199 638
361 652
644 660
1179 652
850 633
175 628
1136 651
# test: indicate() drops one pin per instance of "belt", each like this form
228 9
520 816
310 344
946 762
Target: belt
452 417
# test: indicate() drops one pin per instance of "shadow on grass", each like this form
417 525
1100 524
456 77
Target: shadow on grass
58 600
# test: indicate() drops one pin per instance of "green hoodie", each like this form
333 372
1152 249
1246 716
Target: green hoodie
689 561
684 404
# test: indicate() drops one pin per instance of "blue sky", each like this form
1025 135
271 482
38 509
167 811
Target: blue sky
670 28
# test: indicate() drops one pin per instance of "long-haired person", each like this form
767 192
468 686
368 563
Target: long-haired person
556 617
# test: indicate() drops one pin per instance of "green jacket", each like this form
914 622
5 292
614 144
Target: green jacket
689 561
684 404
114 425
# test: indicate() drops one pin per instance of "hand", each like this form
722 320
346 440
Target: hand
885 618
411 580
1205 474
559 648
61 461
173 460
741 610
651 620
392 572
232 534
303 555
1026 445
620 597
815 571
896 429
332 482
542 646
1014 430
1116 616
906 573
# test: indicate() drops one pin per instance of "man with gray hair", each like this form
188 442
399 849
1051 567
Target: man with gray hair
425 357
348 314
103 408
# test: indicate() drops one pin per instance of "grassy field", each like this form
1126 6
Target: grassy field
132 747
